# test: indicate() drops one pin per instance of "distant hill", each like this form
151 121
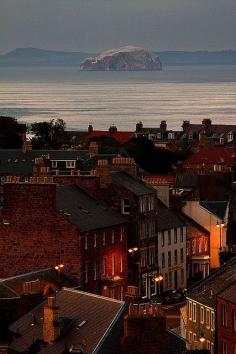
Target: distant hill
224 57
42 57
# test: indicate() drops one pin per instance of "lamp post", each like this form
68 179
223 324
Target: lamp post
59 268
202 340
220 226
158 278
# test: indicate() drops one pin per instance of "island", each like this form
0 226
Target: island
123 59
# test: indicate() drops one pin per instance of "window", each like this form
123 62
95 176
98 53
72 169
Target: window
190 310
169 237
86 272
112 236
190 337
143 258
103 238
200 246
158 135
152 255
163 260
125 206
95 270
176 257
169 259
170 279
113 265
188 248
230 137
122 233
104 265
182 276
208 318
166 280
224 347
70 164
171 135
162 239
95 240
193 246
234 320
85 242
54 164
175 235
181 255
201 315
121 264
212 320
181 235
208 345
194 312
194 337
223 315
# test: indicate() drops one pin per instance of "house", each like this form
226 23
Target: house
137 203
201 306
171 248
121 137
226 320
212 216
19 294
70 322
146 332
44 224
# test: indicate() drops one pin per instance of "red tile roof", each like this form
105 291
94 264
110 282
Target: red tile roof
210 156
121 137
159 179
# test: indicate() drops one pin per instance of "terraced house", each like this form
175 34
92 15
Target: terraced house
201 323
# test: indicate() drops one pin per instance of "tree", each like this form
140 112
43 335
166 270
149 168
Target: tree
150 158
11 133
48 133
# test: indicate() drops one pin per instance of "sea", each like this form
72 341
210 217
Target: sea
176 93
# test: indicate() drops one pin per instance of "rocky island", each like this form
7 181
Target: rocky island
123 59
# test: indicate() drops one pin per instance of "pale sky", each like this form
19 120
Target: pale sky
95 25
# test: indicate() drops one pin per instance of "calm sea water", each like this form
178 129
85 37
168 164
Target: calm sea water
105 98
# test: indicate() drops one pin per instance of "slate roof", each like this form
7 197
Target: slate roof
207 290
133 184
167 218
186 178
12 287
16 162
217 208
99 313
85 211
229 294
91 163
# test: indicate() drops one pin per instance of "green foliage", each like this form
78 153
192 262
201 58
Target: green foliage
48 133
150 158
11 133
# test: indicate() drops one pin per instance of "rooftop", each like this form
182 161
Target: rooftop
211 156
91 319
85 211
167 218
133 184
207 290
217 208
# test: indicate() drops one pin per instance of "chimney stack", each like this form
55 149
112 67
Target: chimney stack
139 127
27 146
90 128
51 325
103 171
112 129
163 126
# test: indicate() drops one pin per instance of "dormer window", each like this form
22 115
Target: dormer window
125 206
70 164
158 135
230 137
54 164
171 135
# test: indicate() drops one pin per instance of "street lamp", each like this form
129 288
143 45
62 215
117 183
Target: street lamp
158 278
202 340
133 250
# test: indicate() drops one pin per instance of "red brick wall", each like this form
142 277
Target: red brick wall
226 334
37 236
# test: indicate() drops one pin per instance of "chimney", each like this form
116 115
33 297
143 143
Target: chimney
185 125
27 146
51 325
125 164
93 148
163 125
103 171
90 128
112 129
139 127
206 123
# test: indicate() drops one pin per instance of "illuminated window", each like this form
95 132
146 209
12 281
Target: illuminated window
95 270
223 315
104 265
70 164
125 206
190 310
194 312
201 315
113 265
85 242
112 236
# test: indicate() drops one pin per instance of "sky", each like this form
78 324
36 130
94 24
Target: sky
96 25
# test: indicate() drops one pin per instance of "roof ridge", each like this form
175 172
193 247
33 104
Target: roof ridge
74 290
